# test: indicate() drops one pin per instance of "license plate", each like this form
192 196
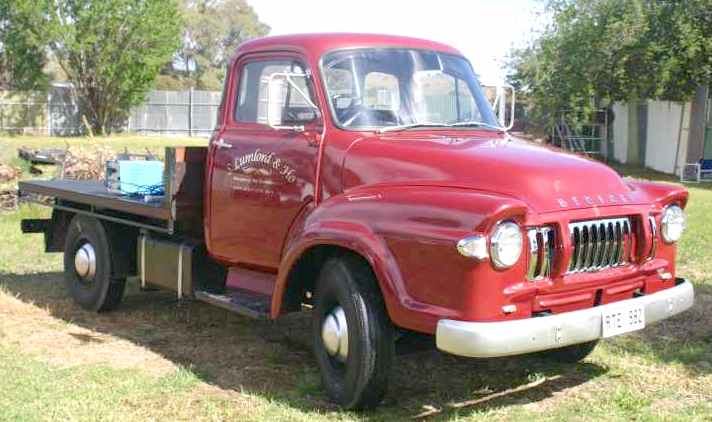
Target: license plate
623 319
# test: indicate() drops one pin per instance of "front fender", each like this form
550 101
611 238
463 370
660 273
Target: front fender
408 235
659 194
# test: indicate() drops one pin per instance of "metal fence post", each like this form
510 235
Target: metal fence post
49 113
190 112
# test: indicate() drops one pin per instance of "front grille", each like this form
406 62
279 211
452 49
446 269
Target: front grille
599 244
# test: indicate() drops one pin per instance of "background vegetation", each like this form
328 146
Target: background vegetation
594 52
212 30
113 50
109 50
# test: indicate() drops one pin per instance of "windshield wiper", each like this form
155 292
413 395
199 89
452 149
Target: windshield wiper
476 123
410 126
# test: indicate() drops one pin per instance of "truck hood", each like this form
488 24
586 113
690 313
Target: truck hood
545 178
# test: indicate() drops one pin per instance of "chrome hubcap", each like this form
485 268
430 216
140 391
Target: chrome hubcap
85 261
335 334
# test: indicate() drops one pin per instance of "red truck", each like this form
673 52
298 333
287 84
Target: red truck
365 178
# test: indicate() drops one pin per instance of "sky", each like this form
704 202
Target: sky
483 30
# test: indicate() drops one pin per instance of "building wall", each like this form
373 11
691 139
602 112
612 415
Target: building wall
657 125
665 142
620 132
698 122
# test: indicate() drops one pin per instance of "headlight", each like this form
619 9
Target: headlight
673 223
506 244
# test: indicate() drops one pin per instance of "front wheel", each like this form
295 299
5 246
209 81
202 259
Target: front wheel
352 334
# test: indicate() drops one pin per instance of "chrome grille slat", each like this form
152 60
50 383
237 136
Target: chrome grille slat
545 233
581 250
611 245
603 254
619 242
599 244
541 242
627 244
603 259
532 271
590 246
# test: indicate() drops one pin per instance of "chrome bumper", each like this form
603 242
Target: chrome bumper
490 339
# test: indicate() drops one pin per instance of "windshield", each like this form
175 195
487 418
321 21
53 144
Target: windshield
404 88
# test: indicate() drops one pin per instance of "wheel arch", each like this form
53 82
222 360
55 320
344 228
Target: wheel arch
301 266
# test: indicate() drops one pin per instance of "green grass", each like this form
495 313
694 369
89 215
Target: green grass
35 390
155 359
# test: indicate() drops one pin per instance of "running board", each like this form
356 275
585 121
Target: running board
243 302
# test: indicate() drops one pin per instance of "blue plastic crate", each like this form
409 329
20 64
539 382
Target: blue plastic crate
140 177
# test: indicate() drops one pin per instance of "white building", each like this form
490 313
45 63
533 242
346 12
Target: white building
663 135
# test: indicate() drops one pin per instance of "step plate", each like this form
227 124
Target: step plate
243 302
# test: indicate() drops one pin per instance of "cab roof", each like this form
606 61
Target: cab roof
319 43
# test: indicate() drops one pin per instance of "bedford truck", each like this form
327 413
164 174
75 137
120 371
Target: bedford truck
366 179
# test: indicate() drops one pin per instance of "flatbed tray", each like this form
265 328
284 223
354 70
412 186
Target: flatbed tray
95 194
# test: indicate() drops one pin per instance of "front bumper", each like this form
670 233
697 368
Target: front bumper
490 339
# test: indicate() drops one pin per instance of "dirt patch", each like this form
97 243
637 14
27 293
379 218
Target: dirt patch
64 344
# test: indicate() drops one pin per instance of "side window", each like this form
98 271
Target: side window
382 91
252 93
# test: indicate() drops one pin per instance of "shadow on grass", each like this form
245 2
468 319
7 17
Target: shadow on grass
273 359
685 339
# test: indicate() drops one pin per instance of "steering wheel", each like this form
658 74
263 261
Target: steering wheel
372 117
355 114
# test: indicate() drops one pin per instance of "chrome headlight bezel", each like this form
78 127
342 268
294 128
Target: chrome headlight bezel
673 223
506 234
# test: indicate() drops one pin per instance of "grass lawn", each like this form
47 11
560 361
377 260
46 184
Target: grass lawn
156 359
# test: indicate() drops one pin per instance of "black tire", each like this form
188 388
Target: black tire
361 381
102 292
571 354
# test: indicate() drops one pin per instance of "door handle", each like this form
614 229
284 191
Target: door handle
220 144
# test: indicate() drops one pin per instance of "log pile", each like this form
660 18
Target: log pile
8 199
85 163
9 173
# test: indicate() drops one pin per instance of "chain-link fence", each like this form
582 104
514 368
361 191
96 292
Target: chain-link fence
191 113
56 113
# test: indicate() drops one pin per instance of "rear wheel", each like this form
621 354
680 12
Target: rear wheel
571 354
352 335
87 266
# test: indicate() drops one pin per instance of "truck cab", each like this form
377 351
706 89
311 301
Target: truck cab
365 178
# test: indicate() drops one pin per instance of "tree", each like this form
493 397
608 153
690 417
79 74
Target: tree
110 50
213 30
19 71
594 52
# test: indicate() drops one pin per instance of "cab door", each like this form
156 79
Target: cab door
261 177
